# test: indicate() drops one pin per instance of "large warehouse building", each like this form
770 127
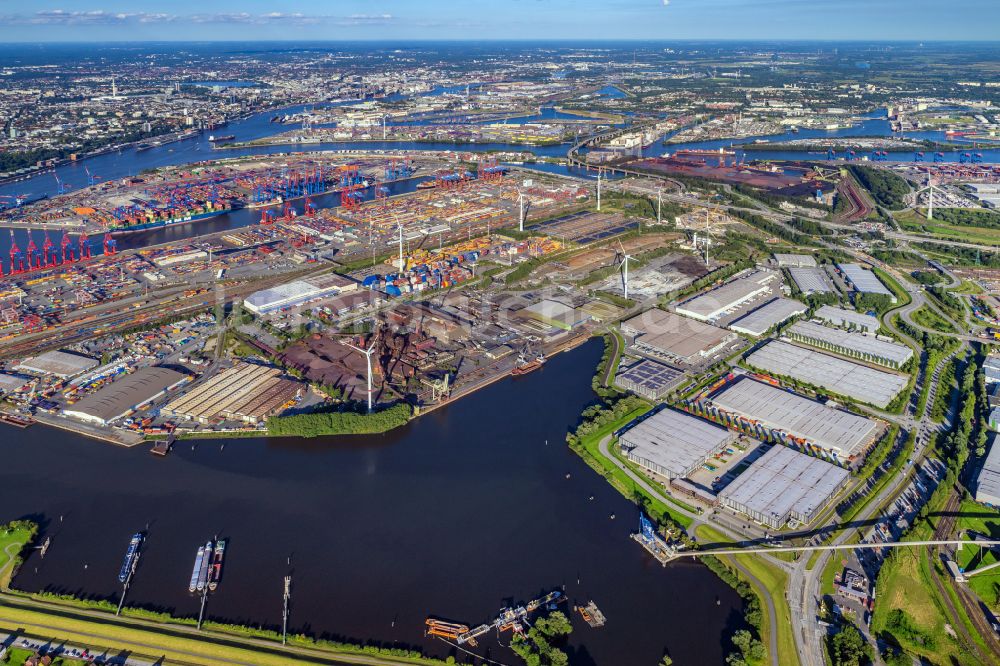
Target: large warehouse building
988 481
857 345
794 260
784 486
758 322
713 304
843 377
672 443
864 280
299 292
123 396
648 378
811 280
773 413
669 337
850 319
59 363
245 392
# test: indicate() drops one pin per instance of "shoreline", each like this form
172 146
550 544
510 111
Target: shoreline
109 437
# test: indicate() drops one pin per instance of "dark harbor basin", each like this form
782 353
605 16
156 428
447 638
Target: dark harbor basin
464 510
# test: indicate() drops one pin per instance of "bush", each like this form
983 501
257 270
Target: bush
339 423
887 188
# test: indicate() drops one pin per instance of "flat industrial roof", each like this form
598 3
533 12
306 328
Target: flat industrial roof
811 280
12 382
650 375
844 317
678 336
799 260
829 428
122 395
59 363
857 342
282 293
988 482
759 321
783 481
675 440
713 303
876 387
864 280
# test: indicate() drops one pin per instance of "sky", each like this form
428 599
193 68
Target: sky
387 20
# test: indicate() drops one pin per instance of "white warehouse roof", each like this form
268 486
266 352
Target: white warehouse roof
843 317
859 343
832 429
674 442
759 321
988 481
876 387
863 280
713 304
783 484
58 363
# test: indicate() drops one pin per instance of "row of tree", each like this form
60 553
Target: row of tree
342 422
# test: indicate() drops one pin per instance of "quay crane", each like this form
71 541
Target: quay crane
48 255
31 251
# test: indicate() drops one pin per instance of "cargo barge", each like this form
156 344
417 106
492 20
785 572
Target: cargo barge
206 562
130 556
17 420
215 573
196 571
525 366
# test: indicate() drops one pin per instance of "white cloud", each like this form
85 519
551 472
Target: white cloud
101 17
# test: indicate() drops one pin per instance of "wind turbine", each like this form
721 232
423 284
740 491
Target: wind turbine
368 357
930 197
520 204
624 266
599 171
402 266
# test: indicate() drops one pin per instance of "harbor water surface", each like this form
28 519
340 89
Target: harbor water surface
463 511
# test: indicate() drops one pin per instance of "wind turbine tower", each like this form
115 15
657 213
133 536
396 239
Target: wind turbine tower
624 266
402 266
930 197
520 204
368 357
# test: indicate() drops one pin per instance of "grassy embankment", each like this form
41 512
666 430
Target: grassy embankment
984 234
928 318
775 583
910 611
158 641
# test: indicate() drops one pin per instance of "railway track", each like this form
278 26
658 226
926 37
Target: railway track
945 527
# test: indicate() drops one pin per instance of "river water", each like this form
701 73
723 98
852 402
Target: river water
463 510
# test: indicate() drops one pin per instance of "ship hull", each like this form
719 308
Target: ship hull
188 219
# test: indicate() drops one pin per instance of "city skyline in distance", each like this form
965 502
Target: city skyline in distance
386 20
